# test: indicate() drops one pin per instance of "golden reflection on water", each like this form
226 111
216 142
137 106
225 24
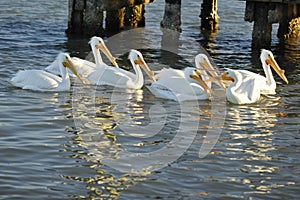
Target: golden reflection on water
110 122
98 120
251 123
251 129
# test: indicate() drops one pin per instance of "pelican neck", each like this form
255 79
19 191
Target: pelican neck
268 72
97 55
139 79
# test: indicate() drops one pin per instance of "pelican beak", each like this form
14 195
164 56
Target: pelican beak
272 62
209 68
145 67
66 64
226 77
69 64
107 53
201 82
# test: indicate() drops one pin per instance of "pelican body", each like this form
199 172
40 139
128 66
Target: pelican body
40 80
182 85
268 83
243 89
86 67
118 77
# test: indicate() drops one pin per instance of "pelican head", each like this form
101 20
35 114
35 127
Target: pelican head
68 63
99 44
268 58
197 76
136 57
229 75
66 60
202 62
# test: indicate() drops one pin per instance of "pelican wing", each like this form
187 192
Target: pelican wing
112 76
36 80
265 88
245 89
177 88
168 72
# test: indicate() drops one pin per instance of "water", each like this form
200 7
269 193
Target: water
54 145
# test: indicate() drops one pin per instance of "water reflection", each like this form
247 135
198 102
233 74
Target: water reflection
252 123
94 139
101 114
209 39
110 122
251 132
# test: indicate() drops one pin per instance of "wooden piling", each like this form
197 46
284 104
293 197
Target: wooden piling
262 29
209 15
293 29
289 24
86 16
172 15
134 16
266 12
114 21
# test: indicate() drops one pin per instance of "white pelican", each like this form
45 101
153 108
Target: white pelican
40 80
268 84
86 67
243 89
118 77
181 85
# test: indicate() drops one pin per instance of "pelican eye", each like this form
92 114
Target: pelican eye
270 56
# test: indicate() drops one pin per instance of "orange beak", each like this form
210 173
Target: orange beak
105 50
200 81
271 61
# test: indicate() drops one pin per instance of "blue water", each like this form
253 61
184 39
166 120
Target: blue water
56 145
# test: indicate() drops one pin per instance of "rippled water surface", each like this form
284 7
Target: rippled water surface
69 145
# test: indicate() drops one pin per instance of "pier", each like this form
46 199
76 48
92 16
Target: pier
266 12
86 17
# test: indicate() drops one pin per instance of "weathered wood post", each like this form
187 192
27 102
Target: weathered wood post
266 12
209 15
289 24
114 21
171 30
172 15
262 28
134 16
124 13
85 17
